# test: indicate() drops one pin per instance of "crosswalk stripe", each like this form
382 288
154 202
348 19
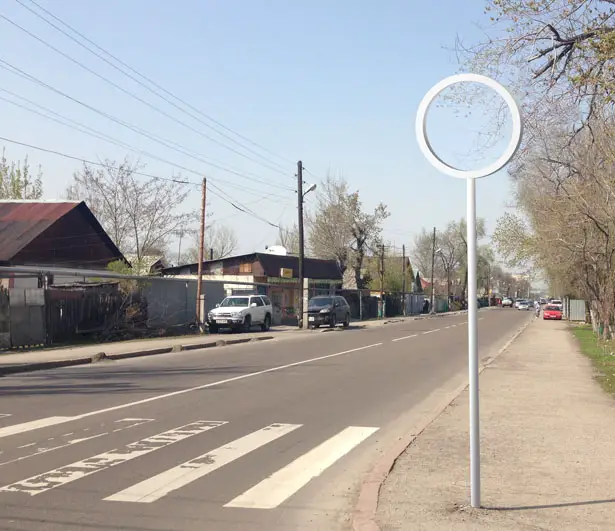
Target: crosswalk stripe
281 485
162 484
69 473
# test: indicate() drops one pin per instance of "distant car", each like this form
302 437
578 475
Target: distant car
328 310
507 302
523 305
543 301
552 312
558 303
241 313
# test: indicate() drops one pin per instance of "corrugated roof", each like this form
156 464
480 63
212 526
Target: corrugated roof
315 268
22 221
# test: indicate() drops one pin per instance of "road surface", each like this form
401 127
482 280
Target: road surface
267 436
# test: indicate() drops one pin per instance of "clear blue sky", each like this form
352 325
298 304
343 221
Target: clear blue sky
335 84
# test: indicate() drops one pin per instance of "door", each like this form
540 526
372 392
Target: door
258 313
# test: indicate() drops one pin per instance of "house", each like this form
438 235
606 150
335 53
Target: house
53 234
274 275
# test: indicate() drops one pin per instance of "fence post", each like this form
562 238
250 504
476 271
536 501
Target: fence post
306 296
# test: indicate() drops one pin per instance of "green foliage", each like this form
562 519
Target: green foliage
16 181
601 353
513 240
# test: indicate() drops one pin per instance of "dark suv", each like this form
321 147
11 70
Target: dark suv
328 310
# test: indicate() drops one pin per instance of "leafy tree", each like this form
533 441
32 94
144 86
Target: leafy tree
139 214
16 181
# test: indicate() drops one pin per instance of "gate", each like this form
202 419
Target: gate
576 310
27 314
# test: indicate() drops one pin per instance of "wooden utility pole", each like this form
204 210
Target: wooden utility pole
199 287
433 264
301 242
403 279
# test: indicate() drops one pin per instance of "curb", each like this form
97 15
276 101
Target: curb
365 510
102 356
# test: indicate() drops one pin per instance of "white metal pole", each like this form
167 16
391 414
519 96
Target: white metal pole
473 345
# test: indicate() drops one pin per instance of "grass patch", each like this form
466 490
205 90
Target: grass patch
602 354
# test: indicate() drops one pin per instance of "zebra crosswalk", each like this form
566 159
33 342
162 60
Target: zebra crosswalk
268 493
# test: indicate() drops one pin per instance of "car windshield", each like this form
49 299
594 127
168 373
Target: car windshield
552 308
556 301
320 302
241 302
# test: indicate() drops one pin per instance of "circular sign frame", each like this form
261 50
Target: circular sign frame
427 149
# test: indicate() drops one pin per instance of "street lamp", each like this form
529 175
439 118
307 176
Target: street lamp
300 198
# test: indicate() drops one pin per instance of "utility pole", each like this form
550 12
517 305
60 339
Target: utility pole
382 278
433 263
301 242
199 288
403 279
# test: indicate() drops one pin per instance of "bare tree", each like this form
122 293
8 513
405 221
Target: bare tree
339 229
139 214
288 237
552 51
220 242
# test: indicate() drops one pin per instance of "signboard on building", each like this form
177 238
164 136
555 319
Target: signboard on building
286 272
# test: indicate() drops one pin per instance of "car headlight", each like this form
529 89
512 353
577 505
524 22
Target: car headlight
325 310
235 314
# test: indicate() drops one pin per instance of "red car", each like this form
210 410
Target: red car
552 312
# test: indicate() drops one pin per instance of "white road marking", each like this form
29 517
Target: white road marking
277 488
124 424
2 415
430 331
33 425
69 473
156 487
53 421
405 337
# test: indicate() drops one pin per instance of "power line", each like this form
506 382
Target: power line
169 144
142 76
228 199
141 100
78 126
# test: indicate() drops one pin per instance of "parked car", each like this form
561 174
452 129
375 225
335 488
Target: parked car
241 313
558 303
507 302
552 312
328 310
543 301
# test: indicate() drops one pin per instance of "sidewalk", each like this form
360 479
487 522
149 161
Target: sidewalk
547 432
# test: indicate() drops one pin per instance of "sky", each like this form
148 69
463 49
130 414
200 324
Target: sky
334 84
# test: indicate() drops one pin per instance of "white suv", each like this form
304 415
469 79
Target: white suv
241 312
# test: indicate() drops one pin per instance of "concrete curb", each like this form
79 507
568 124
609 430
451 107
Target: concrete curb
365 510
102 356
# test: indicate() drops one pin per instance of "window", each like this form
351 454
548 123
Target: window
257 300
245 268
266 301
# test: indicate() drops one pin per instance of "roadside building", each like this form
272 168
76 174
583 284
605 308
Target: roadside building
274 275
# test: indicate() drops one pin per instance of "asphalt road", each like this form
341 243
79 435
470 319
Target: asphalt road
266 436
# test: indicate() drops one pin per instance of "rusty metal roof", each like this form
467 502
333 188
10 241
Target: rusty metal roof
21 222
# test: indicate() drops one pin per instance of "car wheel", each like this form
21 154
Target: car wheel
347 321
247 324
267 324
333 322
